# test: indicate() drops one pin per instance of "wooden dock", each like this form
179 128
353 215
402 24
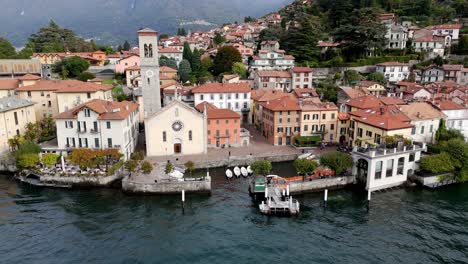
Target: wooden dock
277 203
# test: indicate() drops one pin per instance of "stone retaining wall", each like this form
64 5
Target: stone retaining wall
173 187
82 181
320 184
8 164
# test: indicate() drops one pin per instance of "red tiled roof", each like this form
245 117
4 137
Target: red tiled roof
65 86
365 102
302 69
391 100
29 77
169 50
267 95
282 104
318 106
8 84
384 117
222 88
201 106
107 110
133 68
277 74
222 114
343 116
448 105
305 92
183 90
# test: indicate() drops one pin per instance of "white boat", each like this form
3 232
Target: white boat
176 174
244 172
229 173
306 156
237 172
249 170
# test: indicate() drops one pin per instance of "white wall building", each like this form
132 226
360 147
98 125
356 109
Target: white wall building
457 116
99 124
301 77
271 60
385 168
397 35
425 118
233 96
393 71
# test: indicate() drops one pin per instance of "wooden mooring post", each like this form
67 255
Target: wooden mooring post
368 199
325 198
183 201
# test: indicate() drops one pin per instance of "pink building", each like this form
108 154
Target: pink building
124 63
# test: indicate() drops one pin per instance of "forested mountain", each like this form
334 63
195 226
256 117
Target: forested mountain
117 20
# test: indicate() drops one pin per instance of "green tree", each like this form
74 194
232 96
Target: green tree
187 54
169 62
377 77
82 157
131 165
28 160
196 62
240 69
261 167
301 42
361 33
190 167
49 159
74 66
169 168
462 46
337 161
32 132
328 91
184 71
305 166
248 19
137 155
458 150
439 163
218 39
85 76
181 32
56 39
225 58
352 77
126 45
7 51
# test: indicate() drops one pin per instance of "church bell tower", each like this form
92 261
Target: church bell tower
149 71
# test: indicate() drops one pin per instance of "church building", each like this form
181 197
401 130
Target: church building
176 129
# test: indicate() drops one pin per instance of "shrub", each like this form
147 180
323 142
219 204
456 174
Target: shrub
337 161
261 167
438 163
138 155
308 141
28 147
169 168
131 165
115 167
146 167
50 159
304 166
190 167
85 76
27 160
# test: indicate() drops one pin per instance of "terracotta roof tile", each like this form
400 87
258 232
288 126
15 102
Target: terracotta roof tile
421 111
107 110
282 104
391 100
29 77
365 102
277 74
384 117
8 84
302 69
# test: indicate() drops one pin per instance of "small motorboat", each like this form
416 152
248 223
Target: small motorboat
249 170
228 173
237 172
244 172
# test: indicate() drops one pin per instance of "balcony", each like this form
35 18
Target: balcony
94 131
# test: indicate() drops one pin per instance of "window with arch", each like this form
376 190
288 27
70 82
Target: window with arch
150 51
145 47
190 135
401 165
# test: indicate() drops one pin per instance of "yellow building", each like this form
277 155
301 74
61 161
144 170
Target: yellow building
53 97
371 126
319 118
15 113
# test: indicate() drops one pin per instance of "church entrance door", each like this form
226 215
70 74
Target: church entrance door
177 148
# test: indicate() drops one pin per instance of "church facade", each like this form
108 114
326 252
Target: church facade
176 129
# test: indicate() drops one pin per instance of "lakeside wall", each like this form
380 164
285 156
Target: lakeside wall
172 187
239 161
83 181
320 184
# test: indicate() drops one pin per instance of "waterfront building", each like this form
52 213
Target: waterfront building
233 96
99 124
281 120
381 168
224 129
457 115
301 77
319 118
393 71
15 113
425 119
257 98
371 126
273 80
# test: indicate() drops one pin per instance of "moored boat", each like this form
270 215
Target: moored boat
244 172
237 172
228 173
249 170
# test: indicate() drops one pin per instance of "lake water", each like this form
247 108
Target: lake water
108 226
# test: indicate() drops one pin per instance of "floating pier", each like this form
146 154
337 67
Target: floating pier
276 192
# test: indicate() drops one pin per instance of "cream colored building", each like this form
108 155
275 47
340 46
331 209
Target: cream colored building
176 129
7 87
319 118
15 113
425 118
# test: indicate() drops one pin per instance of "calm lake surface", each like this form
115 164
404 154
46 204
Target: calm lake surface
108 226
